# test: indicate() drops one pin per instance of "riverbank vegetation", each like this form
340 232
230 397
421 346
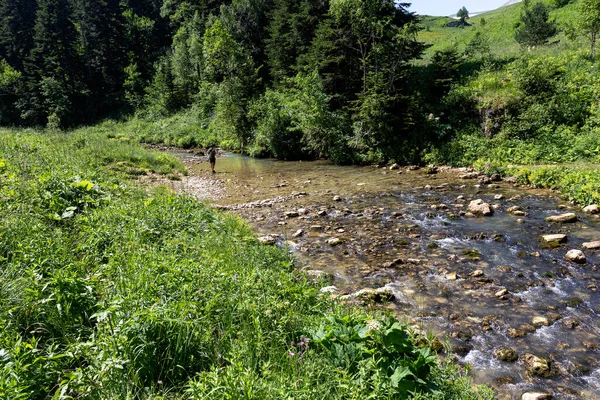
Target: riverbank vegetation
109 290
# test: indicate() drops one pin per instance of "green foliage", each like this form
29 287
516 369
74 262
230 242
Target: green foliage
534 28
588 21
480 44
140 292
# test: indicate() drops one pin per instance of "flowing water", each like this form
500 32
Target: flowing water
404 230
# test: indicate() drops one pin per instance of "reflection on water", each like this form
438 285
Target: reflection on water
405 230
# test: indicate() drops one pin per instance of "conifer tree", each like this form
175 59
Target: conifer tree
534 27
54 60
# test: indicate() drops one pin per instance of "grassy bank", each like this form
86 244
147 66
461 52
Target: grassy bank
108 290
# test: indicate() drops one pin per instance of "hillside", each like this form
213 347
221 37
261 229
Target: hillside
498 25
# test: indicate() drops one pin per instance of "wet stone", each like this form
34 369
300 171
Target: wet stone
507 354
317 228
540 321
538 366
555 238
334 241
298 233
479 207
568 217
291 214
515 333
595 245
592 209
576 256
501 293
536 396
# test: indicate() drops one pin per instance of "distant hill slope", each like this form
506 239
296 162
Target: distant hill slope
511 2
497 25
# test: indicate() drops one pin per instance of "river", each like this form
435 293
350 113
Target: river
406 230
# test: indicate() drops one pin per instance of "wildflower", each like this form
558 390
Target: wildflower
291 354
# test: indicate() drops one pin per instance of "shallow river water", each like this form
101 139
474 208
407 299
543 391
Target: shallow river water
403 229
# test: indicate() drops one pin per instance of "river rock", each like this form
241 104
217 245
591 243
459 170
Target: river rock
470 175
555 238
317 228
374 295
302 211
540 321
322 213
477 273
592 209
334 241
451 276
291 214
575 256
317 274
515 333
568 217
595 245
298 233
268 240
513 209
394 166
506 354
337 198
479 207
538 366
498 197
501 292
536 396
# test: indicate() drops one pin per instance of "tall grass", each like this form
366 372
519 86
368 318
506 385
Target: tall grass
109 290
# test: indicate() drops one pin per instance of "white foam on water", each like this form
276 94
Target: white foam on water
593 379
484 361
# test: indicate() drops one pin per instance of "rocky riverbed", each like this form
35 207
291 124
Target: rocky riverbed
506 275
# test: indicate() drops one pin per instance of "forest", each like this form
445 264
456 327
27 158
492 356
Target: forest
293 79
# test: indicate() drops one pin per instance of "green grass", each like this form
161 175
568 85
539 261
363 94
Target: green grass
499 28
109 290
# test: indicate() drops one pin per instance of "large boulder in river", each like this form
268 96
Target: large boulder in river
575 256
567 217
538 366
592 209
479 207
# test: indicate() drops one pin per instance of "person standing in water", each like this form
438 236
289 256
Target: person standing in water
212 158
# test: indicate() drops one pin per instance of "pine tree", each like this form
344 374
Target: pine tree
51 70
17 18
101 32
534 27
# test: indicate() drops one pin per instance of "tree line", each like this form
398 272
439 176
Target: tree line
293 78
